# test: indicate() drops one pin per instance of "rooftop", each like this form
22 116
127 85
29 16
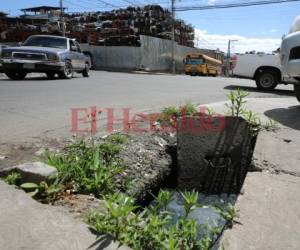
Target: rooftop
3 13
47 8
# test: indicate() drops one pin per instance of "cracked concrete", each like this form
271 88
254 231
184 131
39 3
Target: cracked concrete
269 207
269 214
29 225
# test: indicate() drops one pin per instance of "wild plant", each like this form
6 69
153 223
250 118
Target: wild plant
237 102
190 201
13 178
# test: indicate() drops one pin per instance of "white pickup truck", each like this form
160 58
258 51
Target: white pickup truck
265 69
290 55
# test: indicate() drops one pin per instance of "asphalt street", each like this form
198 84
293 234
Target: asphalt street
37 107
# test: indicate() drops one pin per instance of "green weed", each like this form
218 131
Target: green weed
13 178
237 102
189 109
230 214
42 191
91 169
149 229
169 112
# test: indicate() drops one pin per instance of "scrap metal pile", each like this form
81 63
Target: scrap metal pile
120 27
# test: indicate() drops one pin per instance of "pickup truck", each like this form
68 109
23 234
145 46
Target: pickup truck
290 55
265 69
1 47
45 54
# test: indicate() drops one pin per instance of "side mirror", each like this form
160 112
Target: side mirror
283 37
20 44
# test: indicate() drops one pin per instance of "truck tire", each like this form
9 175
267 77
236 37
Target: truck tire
15 75
67 73
297 91
86 71
267 79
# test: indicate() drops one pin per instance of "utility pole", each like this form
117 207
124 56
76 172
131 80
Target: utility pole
227 66
62 18
173 36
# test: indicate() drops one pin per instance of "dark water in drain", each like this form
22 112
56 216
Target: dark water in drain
206 214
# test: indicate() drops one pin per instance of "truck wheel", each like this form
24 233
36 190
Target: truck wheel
86 71
16 75
297 91
67 73
267 80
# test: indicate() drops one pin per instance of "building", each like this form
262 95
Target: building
3 22
41 14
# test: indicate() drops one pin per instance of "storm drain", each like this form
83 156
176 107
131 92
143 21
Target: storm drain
213 154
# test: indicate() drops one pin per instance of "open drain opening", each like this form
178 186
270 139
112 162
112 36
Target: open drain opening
214 165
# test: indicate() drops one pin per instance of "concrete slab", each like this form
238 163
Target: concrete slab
29 225
279 152
269 214
213 155
35 172
275 151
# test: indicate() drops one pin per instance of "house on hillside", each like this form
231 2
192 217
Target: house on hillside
41 14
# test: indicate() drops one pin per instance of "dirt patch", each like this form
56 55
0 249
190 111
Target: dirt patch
79 205
14 154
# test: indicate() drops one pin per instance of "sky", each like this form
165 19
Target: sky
257 28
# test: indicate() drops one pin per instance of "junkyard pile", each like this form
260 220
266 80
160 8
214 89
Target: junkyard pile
118 27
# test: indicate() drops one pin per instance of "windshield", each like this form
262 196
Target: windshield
52 42
194 61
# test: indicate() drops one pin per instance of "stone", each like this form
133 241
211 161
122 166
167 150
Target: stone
35 172
205 215
213 154
40 152
148 165
27 224
2 157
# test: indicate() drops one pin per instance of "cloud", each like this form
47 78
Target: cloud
213 41
273 30
211 2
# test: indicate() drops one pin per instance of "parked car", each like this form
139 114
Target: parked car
1 47
45 54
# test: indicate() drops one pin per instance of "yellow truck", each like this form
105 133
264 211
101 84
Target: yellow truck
200 64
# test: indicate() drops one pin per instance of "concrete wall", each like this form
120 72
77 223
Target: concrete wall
153 55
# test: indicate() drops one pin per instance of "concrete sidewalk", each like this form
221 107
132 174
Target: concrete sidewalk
29 225
269 208
269 214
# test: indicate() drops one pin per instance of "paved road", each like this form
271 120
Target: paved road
39 107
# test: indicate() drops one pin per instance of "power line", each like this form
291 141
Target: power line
233 5
135 4
108 4
74 4
90 2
